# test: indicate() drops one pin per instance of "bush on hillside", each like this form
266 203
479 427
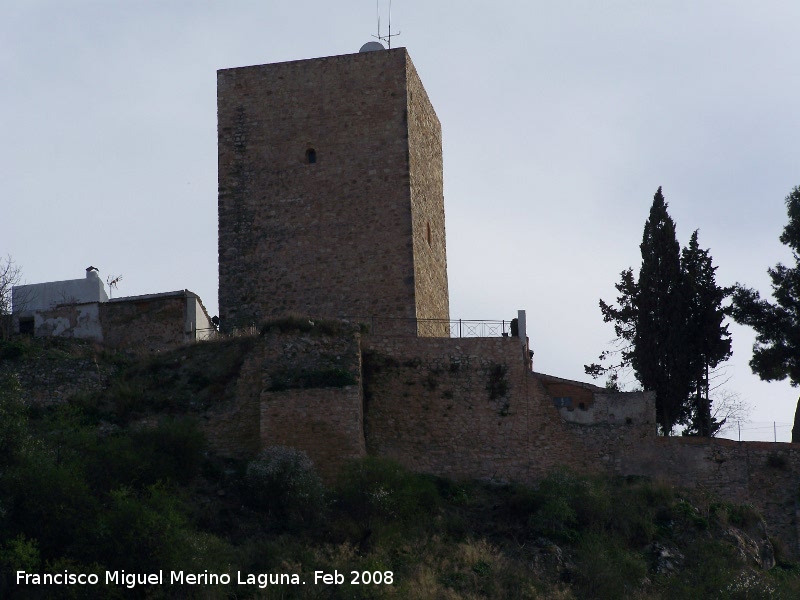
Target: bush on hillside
282 482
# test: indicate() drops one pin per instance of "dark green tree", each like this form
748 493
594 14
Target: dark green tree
709 341
659 358
776 351
624 319
665 324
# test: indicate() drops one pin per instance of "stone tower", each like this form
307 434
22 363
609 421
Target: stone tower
330 193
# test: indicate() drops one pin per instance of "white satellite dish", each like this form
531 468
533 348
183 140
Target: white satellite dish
372 47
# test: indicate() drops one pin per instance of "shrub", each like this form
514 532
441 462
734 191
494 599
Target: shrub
49 501
300 324
607 570
282 482
20 554
170 452
14 438
566 503
379 495
635 506
17 349
141 530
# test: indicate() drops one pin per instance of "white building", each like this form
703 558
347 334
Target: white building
80 308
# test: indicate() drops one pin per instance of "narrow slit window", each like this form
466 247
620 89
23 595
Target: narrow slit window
429 234
311 156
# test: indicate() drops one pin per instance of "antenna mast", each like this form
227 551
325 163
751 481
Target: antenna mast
385 38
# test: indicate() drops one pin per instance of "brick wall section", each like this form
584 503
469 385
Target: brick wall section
47 380
462 408
427 206
327 423
333 238
764 474
233 428
149 325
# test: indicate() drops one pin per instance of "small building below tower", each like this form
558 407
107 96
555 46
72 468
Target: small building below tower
80 308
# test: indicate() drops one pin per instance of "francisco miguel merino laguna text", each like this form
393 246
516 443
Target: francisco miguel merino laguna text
131 580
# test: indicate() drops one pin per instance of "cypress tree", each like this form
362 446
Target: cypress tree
669 326
709 342
660 359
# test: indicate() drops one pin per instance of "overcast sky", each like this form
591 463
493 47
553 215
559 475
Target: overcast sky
560 120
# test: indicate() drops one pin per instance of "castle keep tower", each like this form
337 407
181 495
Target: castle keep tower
330 193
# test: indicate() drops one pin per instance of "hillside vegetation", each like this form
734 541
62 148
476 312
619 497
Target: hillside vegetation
121 479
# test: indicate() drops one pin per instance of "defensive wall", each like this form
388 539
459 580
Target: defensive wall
466 407
461 408
763 474
300 389
472 408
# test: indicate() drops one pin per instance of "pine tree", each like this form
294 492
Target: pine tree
709 341
776 351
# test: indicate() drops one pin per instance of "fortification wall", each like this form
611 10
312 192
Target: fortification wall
311 396
232 427
327 423
766 475
462 408
55 375
609 426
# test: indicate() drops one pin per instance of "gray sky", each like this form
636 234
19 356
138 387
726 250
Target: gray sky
560 121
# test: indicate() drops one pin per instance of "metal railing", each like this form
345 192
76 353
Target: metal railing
452 328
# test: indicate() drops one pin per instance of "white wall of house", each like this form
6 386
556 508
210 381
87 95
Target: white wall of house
26 299
198 323
76 321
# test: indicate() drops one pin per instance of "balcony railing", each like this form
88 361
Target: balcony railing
452 328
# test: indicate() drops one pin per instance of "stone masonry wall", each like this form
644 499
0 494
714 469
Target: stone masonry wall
766 475
311 397
233 427
333 237
150 325
462 408
327 423
51 378
295 389
427 207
